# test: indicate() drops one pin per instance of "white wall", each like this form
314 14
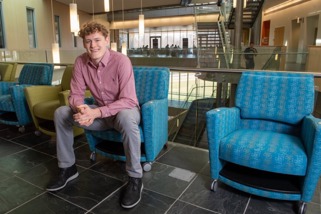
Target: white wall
284 18
15 24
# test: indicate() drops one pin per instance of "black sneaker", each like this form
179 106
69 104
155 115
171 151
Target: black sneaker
133 193
65 175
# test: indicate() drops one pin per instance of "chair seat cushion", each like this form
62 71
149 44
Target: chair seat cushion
265 150
46 110
113 135
6 103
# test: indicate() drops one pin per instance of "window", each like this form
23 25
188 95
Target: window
2 39
57 30
31 28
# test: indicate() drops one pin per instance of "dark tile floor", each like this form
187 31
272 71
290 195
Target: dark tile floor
178 182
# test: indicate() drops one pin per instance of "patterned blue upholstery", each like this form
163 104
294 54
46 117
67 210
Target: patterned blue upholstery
270 129
152 91
12 98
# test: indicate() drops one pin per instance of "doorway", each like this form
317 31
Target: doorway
155 42
279 36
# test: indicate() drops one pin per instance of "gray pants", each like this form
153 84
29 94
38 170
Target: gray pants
126 122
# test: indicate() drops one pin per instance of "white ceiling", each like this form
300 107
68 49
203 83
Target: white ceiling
98 5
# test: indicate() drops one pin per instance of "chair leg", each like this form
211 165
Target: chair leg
21 129
93 157
214 185
302 207
147 166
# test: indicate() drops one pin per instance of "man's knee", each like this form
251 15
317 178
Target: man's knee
62 112
127 118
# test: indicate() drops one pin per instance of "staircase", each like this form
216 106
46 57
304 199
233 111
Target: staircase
250 13
193 126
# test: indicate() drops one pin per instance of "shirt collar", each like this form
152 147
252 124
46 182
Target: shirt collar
103 61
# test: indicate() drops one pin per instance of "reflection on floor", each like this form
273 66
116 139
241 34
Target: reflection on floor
179 182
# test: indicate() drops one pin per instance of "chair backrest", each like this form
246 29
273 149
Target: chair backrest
276 96
8 71
151 83
36 74
66 77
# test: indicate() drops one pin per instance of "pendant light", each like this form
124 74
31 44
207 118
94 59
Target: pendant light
74 21
106 5
141 20
113 45
55 45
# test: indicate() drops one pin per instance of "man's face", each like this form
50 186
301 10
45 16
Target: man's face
96 46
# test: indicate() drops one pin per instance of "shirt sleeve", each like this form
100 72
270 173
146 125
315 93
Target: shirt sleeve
127 94
77 86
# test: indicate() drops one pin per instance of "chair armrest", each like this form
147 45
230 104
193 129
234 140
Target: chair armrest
37 94
20 103
219 123
63 97
4 87
311 136
155 126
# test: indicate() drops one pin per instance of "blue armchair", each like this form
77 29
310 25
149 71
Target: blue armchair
269 144
152 92
13 105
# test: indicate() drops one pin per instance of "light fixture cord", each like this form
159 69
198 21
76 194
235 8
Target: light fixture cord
122 6
53 23
93 6
141 6
112 8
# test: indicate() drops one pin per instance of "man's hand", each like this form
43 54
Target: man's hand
86 115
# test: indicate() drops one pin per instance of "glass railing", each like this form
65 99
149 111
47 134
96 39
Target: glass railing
193 91
267 58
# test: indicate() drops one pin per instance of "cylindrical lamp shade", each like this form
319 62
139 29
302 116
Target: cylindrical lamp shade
106 5
55 53
141 25
113 46
74 21
124 48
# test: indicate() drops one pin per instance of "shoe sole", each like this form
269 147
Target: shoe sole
69 179
132 205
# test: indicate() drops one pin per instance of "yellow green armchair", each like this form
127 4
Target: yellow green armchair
44 100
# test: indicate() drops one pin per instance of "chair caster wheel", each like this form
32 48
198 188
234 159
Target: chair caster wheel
214 185
302 207
93 157
21 129
37 133
147 166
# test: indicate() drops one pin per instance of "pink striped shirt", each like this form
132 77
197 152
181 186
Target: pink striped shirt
111 83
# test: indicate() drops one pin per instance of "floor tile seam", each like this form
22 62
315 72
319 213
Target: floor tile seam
247 204
198 206
15 153
110 195
177 167
53 156
191 147
165 152
26 202
58 196
11 141
121 181
177 199
24 134
102 174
